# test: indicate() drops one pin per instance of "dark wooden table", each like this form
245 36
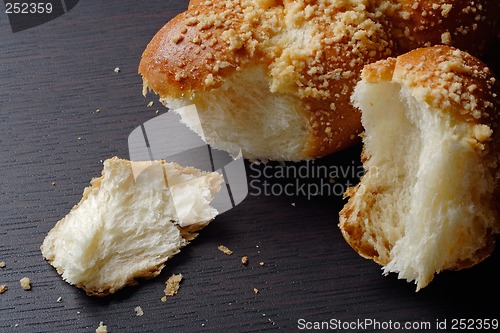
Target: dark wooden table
52 79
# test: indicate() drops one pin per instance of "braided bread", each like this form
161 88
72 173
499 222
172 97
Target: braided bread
275 76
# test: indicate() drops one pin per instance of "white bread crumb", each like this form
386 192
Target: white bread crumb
138 311
25 283
101 328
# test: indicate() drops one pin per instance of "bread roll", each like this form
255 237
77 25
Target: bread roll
129 223
275 76
429 199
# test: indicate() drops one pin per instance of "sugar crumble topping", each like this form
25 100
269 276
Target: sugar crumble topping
457 81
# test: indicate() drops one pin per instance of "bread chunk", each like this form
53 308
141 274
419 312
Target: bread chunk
429 199
130 221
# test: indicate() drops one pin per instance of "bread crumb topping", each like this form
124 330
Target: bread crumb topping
456 82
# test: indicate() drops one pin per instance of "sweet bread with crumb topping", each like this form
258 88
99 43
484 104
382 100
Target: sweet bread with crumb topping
429 199
275 76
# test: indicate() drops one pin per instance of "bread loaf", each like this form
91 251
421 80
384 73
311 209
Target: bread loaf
275 76
129 222
429 200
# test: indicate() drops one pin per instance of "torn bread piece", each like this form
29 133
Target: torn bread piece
129 222
429 199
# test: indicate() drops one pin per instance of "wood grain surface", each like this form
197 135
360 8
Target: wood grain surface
53 78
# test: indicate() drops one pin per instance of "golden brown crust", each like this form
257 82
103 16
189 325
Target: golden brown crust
471 26
453 81
354 233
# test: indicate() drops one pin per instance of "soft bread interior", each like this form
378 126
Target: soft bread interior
128 224
425 202
245 113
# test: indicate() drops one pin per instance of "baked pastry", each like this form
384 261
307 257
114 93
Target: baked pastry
428 201
129 223
275 76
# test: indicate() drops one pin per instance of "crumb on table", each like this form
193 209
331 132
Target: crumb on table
138 311
102 328
244 260
2 264
172 286
25 283
3 288
225 250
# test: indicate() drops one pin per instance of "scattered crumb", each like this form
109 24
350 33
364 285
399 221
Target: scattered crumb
225 250
255 290
79 138
25 283
293 204
117 70
98 110
157 111
59 299
53 183
3 288
150 104
172 286
2 264
138 311
244 260
261 263
102 328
